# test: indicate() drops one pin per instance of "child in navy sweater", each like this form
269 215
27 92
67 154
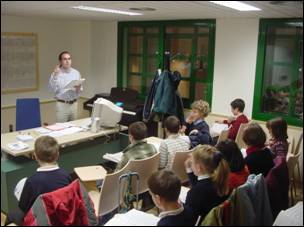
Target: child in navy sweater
196 127
165 188
208 173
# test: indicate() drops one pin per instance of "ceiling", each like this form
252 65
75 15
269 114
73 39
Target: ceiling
165 10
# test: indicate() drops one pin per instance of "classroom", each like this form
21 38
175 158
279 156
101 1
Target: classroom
152 113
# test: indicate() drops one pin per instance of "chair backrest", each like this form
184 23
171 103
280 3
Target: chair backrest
108 196
144 168
223 136
27 113
178 166
291 142
239 137
298 144
292 160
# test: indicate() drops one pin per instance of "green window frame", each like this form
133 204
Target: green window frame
266 64
123 53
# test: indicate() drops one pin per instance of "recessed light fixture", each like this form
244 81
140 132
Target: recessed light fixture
236 5
143 9
89 8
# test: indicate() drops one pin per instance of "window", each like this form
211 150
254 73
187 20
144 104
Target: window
279 75
141 51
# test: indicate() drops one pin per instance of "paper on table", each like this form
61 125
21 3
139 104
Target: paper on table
133 218
217 128
66 131
74 83
42 130
17 146
183 194
116 157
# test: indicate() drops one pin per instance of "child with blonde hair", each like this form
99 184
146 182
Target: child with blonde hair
208 173
196 127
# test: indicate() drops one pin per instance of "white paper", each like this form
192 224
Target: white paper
133 218
66 131
183 194
24 138
42 130
244 153
74 83
17 146
19 188
217 128
116 157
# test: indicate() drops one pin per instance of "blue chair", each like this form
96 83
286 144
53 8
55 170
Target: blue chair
27 113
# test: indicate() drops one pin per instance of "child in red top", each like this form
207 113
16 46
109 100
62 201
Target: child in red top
237 108
238 170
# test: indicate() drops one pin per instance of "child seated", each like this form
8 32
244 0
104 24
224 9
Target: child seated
139 148
277 144
49 177
165 188
196 127
173 143
238 170
258 159
237 108
208 173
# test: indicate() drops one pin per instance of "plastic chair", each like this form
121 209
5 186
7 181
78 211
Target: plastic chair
223 136
27 113
144 168
239 137
178 166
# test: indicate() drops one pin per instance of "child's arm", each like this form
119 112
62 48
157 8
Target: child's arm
198 137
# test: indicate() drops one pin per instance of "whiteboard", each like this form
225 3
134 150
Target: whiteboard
19 62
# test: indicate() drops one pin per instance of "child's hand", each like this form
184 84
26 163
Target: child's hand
190 119
188 162
183 129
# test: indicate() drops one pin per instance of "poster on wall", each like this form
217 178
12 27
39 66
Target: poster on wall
19 62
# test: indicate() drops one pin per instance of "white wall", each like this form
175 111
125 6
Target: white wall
103 57
54 36
236 42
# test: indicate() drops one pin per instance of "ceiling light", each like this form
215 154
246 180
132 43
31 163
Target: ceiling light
236 5
106 10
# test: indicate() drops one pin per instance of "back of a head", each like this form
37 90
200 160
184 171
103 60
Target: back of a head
232 155
239 104
215 165
172 124
138 130
47 149
254 135
278 127
202 107
165 184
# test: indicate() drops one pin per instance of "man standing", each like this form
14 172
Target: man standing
63 74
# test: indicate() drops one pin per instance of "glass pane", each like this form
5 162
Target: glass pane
282 31
180 47
184 89
136 45
152 45
136 30
280 49
135 64
201 69
152 65
202 46
203 30
135 83
182 66
201 90
178 30
152 30
276 89
299 85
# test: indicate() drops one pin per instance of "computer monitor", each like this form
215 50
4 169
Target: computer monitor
108 113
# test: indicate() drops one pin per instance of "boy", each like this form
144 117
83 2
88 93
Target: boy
49 177
237 108
196 127
139 148
165 188
173 143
